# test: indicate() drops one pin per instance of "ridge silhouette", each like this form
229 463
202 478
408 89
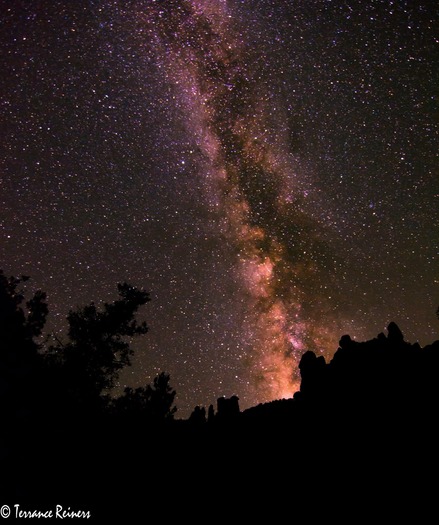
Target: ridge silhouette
367 414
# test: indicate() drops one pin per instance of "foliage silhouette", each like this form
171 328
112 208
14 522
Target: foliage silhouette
351 416
18 331
98 347
19 345
153 403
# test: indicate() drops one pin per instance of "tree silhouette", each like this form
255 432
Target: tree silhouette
152 403
162 398
369 396
19 329
98 346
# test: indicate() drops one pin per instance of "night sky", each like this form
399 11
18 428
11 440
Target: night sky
266 169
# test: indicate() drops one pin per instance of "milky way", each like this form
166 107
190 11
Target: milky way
267 170
249 181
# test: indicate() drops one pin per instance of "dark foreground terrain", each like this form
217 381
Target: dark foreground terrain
357 443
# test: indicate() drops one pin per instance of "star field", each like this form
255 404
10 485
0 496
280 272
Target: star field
267 170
